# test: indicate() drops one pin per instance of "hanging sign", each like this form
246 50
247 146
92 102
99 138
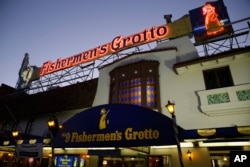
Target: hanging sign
27 149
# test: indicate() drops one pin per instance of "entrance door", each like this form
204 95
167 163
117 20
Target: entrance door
158 161
122 162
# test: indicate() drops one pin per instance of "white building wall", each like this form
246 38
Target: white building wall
188 101
182 89
240 71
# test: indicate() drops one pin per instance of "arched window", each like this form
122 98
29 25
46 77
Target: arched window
136 83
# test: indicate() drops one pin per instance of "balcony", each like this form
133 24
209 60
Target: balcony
225 101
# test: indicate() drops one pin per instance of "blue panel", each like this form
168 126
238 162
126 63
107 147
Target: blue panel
116 125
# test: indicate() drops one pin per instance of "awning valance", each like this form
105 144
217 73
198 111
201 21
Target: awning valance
116 125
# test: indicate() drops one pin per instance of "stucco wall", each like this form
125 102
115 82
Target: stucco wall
182 89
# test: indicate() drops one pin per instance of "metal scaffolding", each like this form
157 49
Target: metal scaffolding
88 71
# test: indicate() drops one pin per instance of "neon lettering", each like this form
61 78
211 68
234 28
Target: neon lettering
119 43
116 43
103 50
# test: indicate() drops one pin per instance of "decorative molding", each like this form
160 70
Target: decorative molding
225 101
243 95
218 98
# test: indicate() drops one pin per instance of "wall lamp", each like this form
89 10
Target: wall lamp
170 108
189 154
52 123
15 133
53 126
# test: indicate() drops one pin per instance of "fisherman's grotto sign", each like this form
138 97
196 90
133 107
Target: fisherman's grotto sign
116 125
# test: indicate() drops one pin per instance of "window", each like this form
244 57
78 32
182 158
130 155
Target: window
130 91
218 78
136 84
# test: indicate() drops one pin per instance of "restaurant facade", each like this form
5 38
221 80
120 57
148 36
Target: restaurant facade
120 118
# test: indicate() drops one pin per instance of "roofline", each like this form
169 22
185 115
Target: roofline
212 57
137 53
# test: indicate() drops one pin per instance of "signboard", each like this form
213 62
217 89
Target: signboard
69 161
116 125
172 30
210 20
26 150
27 74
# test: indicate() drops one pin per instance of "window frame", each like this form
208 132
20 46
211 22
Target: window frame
143 70
218 81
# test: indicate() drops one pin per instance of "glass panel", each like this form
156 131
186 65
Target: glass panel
135 82
135 95
224 77
124 96
124 84
159 161
151 92
218 78
150 81
150 96
130 92
210 79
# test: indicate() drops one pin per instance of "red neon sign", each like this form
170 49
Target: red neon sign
212 23
119 43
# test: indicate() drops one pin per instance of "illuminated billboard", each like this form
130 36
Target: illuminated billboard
210 20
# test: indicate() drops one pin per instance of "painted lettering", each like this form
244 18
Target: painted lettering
141 135
76 137
66 136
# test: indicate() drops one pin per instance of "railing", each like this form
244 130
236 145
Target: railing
225 101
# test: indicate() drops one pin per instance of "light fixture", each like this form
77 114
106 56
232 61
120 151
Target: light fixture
15 133
189 154
104 162
51 123
19 141
223 144
183 144
32 141
5 143
46 141
60 126
170 107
